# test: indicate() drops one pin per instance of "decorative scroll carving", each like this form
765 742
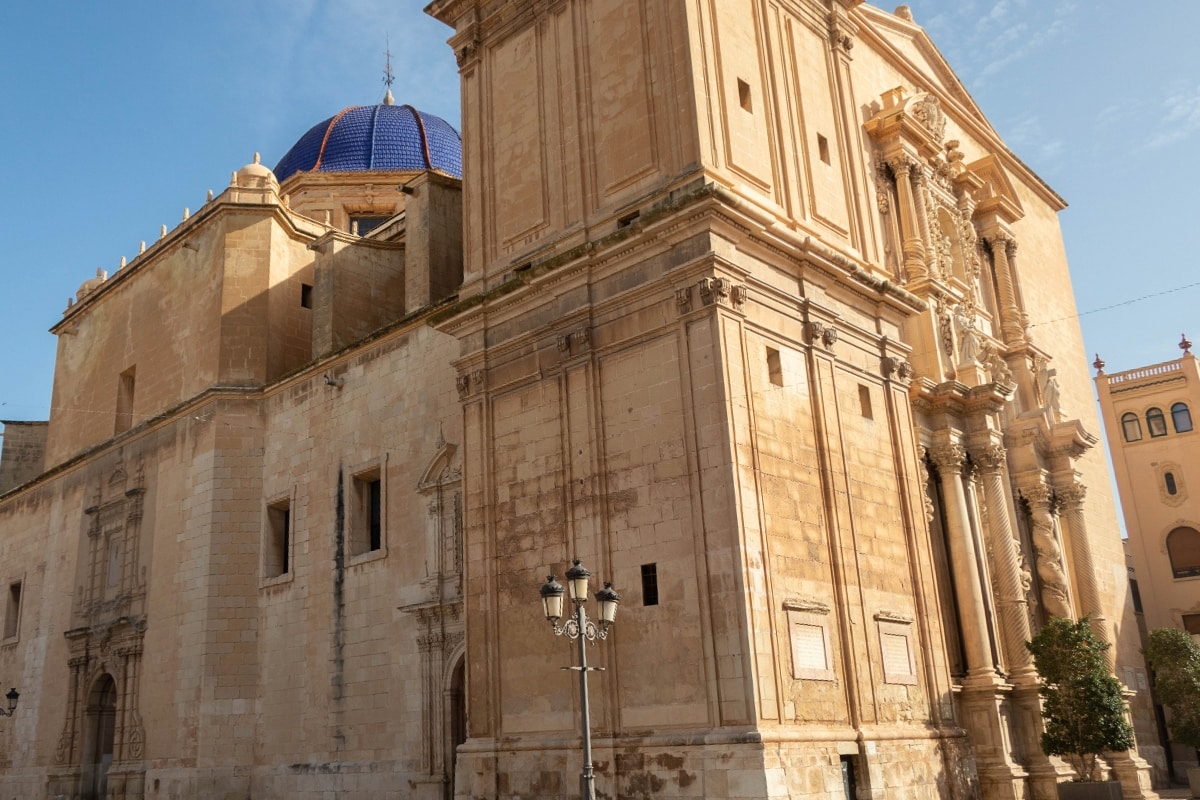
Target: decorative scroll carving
722 291
581 339
463 384
563 343
738 294
683 299
897 369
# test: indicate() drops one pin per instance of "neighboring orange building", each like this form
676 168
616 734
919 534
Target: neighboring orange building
1149 416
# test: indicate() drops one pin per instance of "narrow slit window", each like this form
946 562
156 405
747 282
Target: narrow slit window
649 584
1169 479
864 401
12 614
823 148
277 553
306 299
774 367
744 96
126 384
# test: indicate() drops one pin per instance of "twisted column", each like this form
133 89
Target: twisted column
949 458
912 245
921 177
1010 314
1011 602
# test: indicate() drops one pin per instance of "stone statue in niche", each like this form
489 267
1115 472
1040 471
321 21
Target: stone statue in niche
1055 598
946 255
1047 380
968 336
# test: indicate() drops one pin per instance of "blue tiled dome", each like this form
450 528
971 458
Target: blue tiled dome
382 137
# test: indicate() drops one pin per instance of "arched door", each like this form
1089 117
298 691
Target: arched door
100 726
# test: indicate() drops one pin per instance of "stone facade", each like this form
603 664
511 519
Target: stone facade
1148 414
730 307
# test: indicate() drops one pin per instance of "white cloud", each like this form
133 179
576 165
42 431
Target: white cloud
1181 118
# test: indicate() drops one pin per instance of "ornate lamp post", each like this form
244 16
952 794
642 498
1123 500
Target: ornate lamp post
11 697
583 630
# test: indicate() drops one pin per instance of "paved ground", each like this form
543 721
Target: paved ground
1175 794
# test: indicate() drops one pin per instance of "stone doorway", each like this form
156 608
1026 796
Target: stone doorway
100 720
456 720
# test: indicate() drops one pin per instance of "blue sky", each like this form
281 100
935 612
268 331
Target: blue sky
117 115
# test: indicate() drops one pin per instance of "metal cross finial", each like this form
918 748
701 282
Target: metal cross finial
388 76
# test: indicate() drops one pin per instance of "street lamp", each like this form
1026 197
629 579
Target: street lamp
12 696
583 630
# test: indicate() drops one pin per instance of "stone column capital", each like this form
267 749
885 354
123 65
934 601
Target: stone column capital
948 456
990 457
1072 496
1038 495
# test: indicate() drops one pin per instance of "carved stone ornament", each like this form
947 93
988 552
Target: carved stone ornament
1055 591
829 336
463 384
1071 496
563 343
928 112
897 369
948 456
581 339
814 330
713 290
738 294
990 457
945 330
683 299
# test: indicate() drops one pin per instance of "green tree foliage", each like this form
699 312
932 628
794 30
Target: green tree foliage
1082 704
1175 659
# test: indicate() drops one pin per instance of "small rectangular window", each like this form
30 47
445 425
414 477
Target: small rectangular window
744 96
864 401
1137 596
774 367
277 547
306 295
649 584
12 614
362 224
823 148
126 384
366 533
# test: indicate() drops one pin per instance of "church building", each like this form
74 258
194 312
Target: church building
743 304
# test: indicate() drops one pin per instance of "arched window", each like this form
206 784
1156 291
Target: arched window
1169 479
1181 417
1183 548
1132 426
1156 423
